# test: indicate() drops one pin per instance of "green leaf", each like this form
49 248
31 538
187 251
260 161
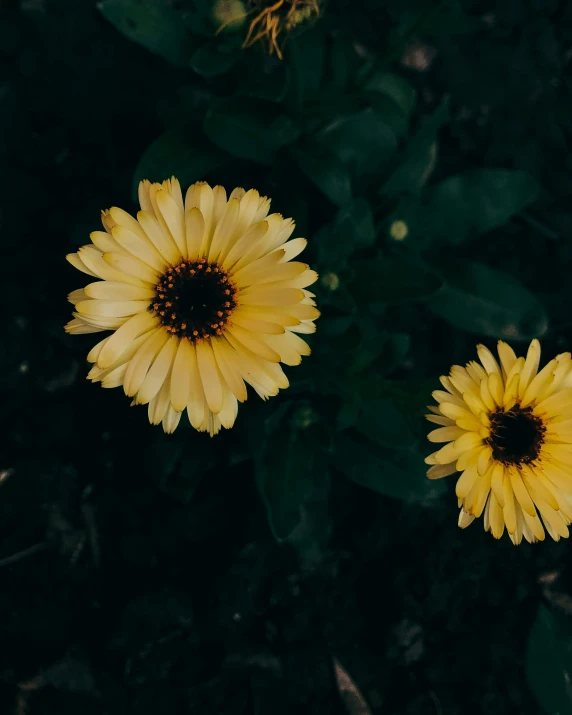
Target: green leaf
394 87
305 59
465 206
416 162
448 18
396 474
382 347
249 128
270 86
325 171
355 221
288 473
177 474
155 25
389 111
549 661
395 279
361 141
487 301
343 60
186 155
352 229
209 61
382 423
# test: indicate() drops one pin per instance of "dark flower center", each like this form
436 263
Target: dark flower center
516 436
194 299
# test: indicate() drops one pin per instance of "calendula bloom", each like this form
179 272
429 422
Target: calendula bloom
274 19
202 296
509 433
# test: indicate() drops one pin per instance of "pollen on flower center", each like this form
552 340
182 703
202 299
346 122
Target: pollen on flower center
516 435
194 299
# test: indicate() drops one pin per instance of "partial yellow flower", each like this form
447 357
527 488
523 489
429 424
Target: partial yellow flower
509 432
274 19
202 296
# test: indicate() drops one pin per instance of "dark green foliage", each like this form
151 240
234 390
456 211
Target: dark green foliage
549 660
179 574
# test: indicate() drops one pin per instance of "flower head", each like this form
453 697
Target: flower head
509 432
202 296
276 18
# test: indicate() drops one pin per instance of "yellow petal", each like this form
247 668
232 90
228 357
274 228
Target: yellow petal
466 482
497 482
454 450
141 362
465 519
135 326
530 367
174 219
180 384
488 360
197 409
445 434
210 376
521 492
252 342
507 357
161 239
158 373
438 471
195 231
509 507
225 357
496 519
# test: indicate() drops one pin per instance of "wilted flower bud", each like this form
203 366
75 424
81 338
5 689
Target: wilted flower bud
229 14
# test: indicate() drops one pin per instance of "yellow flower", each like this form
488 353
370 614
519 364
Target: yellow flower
202 296
509 433
275 18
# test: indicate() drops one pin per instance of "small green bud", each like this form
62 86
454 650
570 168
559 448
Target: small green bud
330 281
398 230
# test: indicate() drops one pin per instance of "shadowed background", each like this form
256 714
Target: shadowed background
262 570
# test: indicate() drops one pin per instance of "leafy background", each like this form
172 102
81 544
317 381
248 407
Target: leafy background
300 562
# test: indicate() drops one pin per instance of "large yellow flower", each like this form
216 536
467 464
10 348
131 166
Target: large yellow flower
202 296
509 429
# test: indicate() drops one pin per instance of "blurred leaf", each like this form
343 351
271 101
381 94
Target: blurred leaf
326 171
382 347
485 300
448 18
352 697
360 141
396 474
177 475
389 111
549 661
352 229
156 26
333 327
381 422
394 87
249 128
210 61
271 86
414 165
343 59
186 155
465 206
394 280
288 472
355 220
305 60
